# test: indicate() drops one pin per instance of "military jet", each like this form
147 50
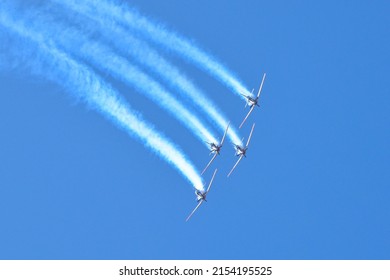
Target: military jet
215 149
252 101
241 151
201 196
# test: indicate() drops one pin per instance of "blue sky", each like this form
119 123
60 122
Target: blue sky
315 184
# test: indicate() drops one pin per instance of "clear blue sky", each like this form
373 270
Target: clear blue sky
315 184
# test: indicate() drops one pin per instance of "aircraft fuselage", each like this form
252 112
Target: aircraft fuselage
215 148
252 101
200 195
240 150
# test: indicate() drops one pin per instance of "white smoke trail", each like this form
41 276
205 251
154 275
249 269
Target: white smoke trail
146 55
85 84
120 68
113 10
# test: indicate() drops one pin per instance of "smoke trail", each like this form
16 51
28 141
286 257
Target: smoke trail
146 55
84 84
162 36
118 67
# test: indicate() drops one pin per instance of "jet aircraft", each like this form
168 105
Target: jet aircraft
201 196
252 102
215 149
241 151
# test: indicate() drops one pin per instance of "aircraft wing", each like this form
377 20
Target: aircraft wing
250 111
261 86
211 181
224 135
193 211
250 135
234 167
207 166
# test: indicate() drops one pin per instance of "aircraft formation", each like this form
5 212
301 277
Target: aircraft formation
126 39
240 151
